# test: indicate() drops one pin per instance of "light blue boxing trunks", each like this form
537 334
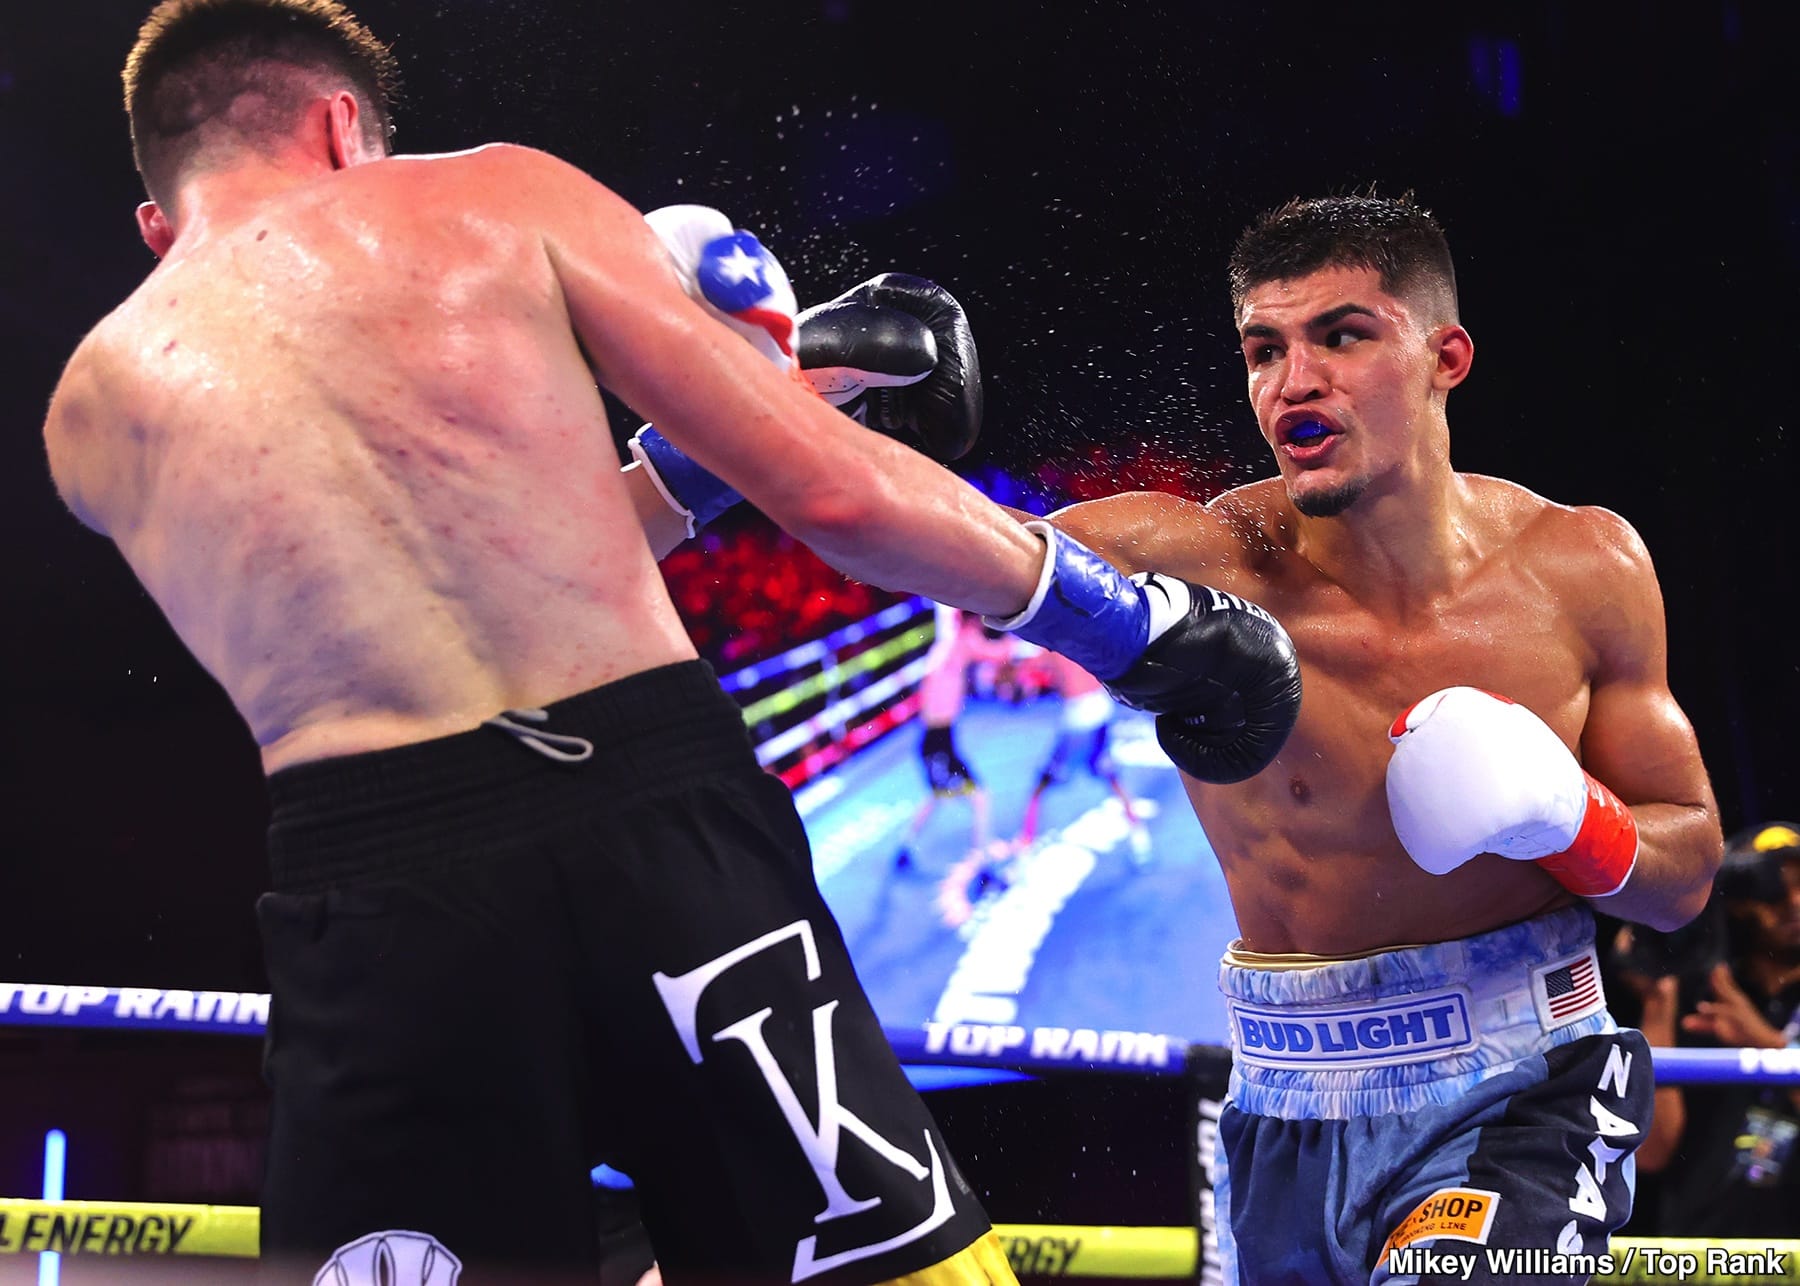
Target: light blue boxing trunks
1462 1111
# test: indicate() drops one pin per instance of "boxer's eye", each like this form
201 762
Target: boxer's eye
1341 337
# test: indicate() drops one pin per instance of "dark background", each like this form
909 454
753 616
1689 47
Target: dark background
1618 182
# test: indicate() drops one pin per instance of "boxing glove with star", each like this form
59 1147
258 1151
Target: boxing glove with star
880 343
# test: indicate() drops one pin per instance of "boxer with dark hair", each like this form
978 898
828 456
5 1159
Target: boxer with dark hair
535 903
1423 1059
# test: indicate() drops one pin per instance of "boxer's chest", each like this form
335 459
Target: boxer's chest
1361 667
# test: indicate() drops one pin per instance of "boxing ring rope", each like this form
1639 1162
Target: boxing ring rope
130 1227
851 717
848 722
985 1045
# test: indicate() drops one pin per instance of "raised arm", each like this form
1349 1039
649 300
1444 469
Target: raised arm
1638 741
883 513
870 507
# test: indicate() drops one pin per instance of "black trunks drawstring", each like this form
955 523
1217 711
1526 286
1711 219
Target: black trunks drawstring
551 745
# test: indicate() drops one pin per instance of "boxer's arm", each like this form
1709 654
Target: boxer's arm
1636 738
1140 531
870 507
1224 680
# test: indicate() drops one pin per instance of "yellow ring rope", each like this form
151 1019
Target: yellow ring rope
1061 1250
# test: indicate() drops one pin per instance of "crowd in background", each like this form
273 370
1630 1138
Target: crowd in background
1720 1160
747 590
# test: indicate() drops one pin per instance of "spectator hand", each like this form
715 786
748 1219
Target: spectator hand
1731 1017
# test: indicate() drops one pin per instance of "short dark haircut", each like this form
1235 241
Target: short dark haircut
239 73
1395 236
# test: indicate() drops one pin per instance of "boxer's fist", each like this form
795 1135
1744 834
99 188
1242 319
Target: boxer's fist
729 271
896 353
1221 676
1219 673
1476 773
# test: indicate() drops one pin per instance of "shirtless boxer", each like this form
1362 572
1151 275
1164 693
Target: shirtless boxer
1420 1046
535 903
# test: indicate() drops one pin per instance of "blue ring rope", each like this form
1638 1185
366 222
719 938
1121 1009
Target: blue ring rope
809 652
953 1044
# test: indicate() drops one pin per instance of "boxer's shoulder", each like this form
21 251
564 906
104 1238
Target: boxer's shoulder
1584 548
1568 545
1587 561
537 182
75 424
1157 531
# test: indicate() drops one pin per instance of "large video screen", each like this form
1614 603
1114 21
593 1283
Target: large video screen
998 850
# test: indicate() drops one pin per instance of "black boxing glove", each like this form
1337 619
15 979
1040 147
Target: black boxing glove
1222 680
894 353
1219 673
897 355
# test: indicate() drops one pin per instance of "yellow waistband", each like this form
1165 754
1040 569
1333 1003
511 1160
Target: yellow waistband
1281 961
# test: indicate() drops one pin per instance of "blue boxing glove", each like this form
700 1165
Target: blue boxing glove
1219 673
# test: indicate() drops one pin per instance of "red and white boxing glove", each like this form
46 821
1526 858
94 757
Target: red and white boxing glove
729 273
732 275
1474 773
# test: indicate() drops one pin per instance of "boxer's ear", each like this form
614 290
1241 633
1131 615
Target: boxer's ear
344 132
1455 352
153 227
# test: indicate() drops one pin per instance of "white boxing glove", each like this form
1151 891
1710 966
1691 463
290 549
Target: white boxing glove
1474 773
731 273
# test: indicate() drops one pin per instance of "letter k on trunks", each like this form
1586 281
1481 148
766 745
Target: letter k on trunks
819 1140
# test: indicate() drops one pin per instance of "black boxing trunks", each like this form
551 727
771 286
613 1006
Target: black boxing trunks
497 960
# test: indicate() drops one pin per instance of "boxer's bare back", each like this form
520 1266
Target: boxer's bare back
350 445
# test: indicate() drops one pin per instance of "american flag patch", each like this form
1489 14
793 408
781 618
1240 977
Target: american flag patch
1568 989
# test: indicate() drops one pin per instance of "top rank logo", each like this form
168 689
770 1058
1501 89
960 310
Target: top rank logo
48 1004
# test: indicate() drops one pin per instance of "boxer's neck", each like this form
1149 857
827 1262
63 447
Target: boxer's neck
217 201
1404 542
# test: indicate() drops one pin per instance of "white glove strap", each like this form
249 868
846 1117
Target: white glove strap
1045 532
1169 600
641 460
841 384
